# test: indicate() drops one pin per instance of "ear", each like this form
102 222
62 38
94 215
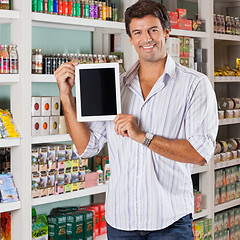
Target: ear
167 33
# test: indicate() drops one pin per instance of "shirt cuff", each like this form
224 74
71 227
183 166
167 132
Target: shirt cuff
203 145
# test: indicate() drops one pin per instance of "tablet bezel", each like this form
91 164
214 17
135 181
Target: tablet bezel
81 118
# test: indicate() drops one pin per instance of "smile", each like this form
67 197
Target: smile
149 47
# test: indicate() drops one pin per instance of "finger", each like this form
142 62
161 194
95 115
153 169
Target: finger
70 65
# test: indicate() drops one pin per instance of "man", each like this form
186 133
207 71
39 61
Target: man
168 122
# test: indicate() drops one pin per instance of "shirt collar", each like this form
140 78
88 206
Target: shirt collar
133 71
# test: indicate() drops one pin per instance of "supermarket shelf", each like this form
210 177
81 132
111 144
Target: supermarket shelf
9 78
227 79
227 205
51 138
227 164
9 14
102 237
8 207
67 196
44 78
65 22
226 37
201 214
199 169
184 33
228 121
10 142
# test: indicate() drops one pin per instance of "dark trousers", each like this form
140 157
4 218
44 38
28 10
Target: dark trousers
179 230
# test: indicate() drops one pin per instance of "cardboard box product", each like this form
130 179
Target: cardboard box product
69 152
104 161
186 62
209 227
186 45
98 161
181 24
36 122
59 184
94 221
173 46
87 225
83 162
199 229
54 125
34 159
42 159
55 111
43 186
75 225
191 62
75 180
67 182
68 166
182 61
205 228
36 106
182 13
187 25
91 179
97 218
191 47
44 126
198 25
198 202
35 187
181 47
173 19
57 226
46 105
51 158
75 165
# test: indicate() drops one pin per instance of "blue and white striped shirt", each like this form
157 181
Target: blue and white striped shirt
147 191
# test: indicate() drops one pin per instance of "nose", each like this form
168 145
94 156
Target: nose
147 37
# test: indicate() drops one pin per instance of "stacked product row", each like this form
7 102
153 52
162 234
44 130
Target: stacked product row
202 229
82 223
228 71
227 185
179 20
8 59
7 127
46 119
5 230
48 64
227 224
182 51
197 201
227 150
229 108
92 9
226 24
56 169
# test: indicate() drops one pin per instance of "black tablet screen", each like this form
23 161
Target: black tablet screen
98 92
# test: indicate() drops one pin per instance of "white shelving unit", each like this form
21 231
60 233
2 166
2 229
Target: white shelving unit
67 196
8 207
9 78
51 138
228 121
230 163
22 20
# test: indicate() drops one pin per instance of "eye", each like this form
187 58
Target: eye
136 33
154 30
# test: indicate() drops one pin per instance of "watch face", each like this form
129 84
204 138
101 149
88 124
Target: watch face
149 136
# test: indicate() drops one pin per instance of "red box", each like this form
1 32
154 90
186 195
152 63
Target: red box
182 13
181 24
96 221
198 202
102 220
91 179
187 25
173 19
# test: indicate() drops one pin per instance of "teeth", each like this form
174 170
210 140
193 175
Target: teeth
148 47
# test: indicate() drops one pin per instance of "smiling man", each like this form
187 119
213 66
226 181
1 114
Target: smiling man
168 122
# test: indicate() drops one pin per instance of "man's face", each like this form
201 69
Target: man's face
148 38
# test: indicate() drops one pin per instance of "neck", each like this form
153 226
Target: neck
151 71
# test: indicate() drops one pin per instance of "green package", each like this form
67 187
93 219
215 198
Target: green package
87 225
209 227
199 229
57 227
40 227
75 226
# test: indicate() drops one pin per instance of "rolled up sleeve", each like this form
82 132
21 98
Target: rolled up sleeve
97 139
201 121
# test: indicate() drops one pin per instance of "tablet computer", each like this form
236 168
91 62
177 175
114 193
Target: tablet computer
97 91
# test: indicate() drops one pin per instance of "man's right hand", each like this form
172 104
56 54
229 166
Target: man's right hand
65 76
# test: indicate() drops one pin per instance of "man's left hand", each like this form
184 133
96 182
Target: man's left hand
126 126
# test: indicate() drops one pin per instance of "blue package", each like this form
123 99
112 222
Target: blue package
9 195
6 182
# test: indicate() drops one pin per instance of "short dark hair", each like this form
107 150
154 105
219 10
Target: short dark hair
147 7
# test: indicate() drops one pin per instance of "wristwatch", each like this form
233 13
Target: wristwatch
147 140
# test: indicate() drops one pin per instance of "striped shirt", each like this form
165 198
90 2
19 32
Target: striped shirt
147 191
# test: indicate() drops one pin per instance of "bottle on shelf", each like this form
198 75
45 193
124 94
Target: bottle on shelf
40 6
100 9
50 6
4 59
228 26
65 8
237 26
91 9
37 61
87 10
70 8
107 172
222 24
233 30
60 7
95 9
55 7
104 10
100 175
13 57
45 6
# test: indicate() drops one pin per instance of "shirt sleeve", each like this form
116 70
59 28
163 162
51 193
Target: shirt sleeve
97 139
201 121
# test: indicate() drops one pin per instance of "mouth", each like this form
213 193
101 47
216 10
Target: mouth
149 47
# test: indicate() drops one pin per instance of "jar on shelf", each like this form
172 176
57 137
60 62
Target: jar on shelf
233 30
219 23
237 26
215 23
222 24
4 4
95 9
4 59
91 9
37 61
228 26
100 10
13 58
